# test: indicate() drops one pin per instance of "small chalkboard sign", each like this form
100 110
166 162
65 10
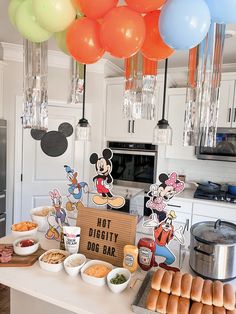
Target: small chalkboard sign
105 233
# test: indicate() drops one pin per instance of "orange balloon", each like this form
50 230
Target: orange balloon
145 6
83 42
122 32
154 48
96 9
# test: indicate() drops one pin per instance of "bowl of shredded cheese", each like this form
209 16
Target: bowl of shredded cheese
95 272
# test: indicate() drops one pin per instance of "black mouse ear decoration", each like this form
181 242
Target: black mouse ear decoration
66 128
54 143
107 153
37 134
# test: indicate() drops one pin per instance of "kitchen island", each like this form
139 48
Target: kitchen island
34 290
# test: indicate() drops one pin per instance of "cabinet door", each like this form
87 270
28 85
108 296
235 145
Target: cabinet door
226 111
143 130
176 99
117 128
234 110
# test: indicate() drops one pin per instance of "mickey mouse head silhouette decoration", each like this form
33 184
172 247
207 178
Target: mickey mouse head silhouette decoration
103 180
54 143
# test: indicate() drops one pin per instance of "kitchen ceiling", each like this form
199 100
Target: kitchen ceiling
180 58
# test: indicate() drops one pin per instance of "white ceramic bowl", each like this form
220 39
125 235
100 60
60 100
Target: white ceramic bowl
52 267
74 263
93 280
40 220
120 287
28 234
24 251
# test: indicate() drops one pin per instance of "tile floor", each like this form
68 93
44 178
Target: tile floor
4 300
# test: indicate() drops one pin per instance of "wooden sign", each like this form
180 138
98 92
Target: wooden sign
105 233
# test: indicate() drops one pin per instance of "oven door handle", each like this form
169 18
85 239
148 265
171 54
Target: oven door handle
133 152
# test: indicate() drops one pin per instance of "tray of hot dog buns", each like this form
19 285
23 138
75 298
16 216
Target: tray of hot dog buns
166 292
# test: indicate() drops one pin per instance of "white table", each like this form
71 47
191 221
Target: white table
34 290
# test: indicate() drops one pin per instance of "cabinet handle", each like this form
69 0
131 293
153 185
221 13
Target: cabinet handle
229 117
177 206
2 196
2 219
129 125
234 114
133 126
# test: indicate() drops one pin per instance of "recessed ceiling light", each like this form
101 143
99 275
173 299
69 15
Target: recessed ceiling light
229 33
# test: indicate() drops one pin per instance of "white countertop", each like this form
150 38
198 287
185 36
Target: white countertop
188 195
71 293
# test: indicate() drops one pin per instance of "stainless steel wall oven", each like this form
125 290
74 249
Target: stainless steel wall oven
134 164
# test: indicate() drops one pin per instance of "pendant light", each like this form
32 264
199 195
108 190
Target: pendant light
162 132
83 129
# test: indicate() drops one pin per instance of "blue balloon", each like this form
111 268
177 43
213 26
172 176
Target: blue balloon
183 24
222 11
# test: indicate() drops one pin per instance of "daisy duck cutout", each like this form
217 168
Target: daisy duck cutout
56 219
76 190
162 221
103 180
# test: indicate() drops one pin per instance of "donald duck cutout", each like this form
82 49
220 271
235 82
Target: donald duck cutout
162 221
76 190
56 219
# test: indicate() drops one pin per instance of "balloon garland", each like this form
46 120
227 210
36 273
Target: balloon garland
86 29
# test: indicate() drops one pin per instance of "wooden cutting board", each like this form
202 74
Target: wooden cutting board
22 261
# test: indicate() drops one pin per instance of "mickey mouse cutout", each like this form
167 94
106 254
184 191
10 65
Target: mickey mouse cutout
103 180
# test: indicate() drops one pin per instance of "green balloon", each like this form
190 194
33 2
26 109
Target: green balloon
27 25
54 15
12 8
60 38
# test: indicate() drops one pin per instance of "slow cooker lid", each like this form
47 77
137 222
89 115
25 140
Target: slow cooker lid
219 232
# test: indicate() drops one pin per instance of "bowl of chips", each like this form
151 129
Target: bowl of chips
39 216
52 260
24 229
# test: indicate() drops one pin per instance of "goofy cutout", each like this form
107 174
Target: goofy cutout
103 180
56 219
76 190
161 221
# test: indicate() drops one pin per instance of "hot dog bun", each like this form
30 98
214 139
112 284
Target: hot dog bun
166 281
176 283
207 292
186 285
196 290
157 278
229 297
162 302
217 294
151 301
183 306
172 305
196 308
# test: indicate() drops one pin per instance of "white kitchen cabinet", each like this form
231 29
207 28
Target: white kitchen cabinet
227 105
176 100
183 210
117 127
1 89
204 212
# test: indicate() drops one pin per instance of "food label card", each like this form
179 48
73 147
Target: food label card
104 234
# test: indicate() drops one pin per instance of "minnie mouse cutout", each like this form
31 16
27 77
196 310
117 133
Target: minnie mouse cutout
161 221
103 180
159 195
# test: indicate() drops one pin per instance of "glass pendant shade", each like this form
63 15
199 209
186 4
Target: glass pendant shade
35 113
77 82
83 131
162 133
83 128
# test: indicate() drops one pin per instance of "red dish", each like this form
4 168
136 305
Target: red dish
26 243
